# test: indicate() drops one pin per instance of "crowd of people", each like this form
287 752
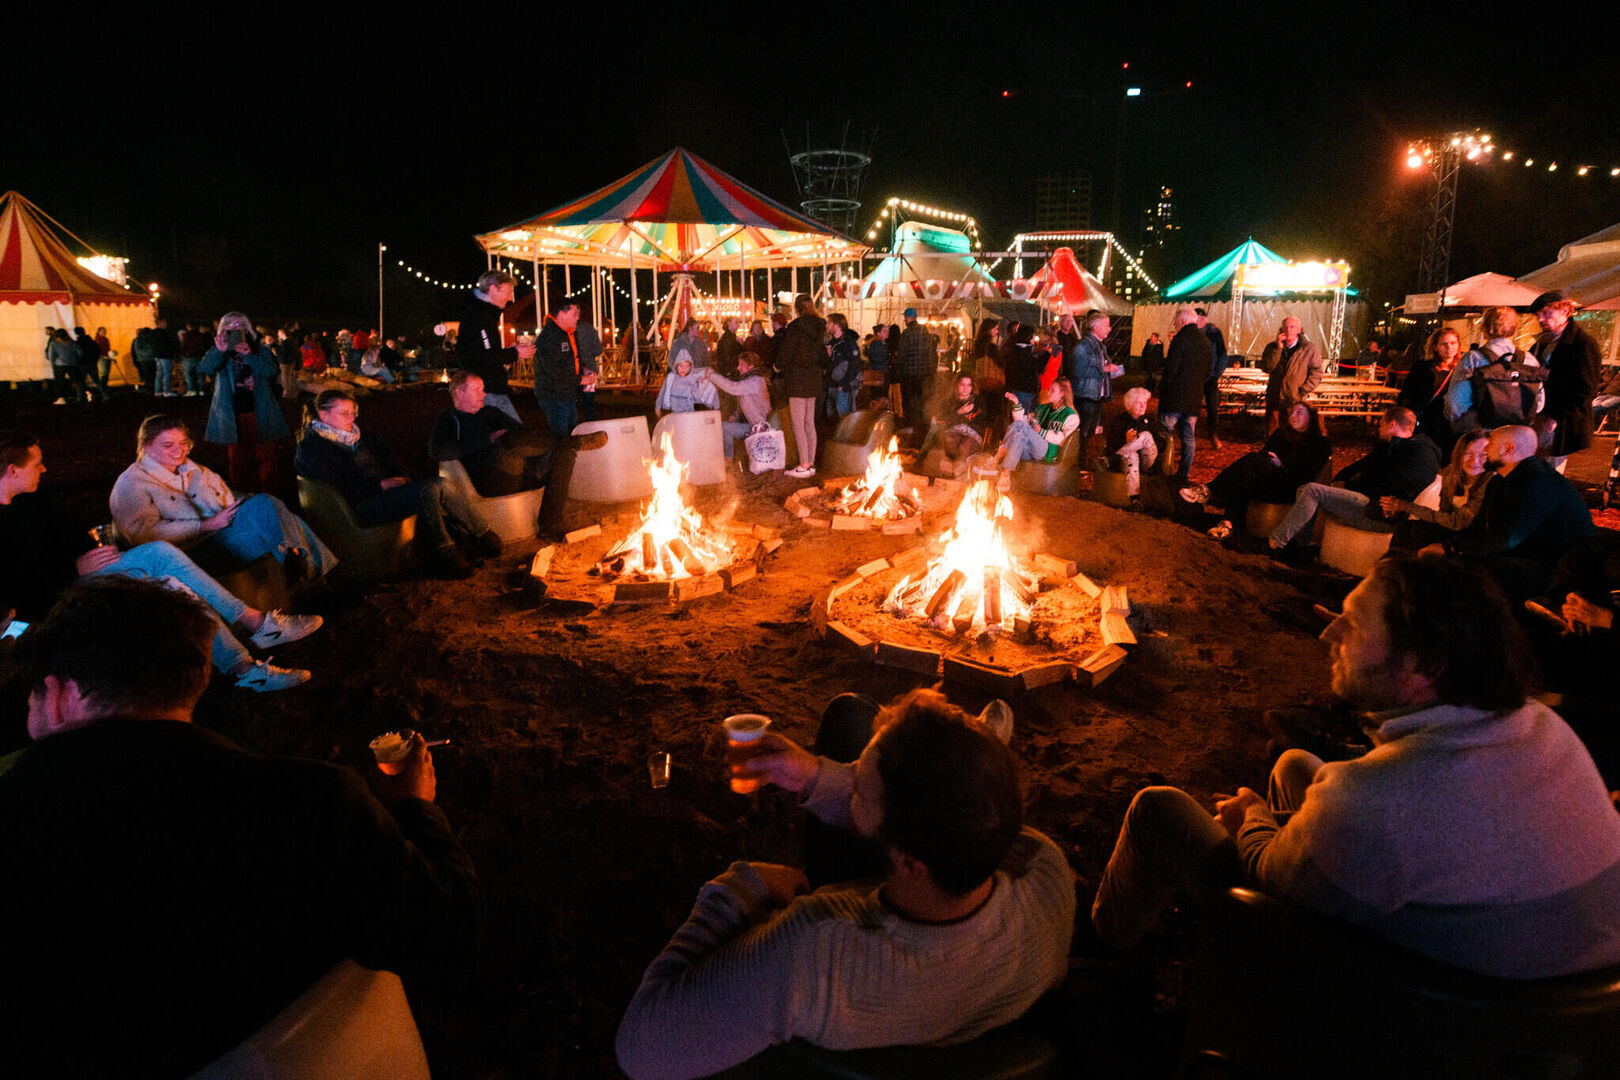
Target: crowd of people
1468 822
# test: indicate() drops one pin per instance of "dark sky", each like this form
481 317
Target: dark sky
259 166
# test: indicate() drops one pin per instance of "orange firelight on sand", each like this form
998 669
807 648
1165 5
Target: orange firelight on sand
672 541
882 494
974 585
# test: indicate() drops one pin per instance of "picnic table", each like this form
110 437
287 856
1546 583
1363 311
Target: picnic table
1243 390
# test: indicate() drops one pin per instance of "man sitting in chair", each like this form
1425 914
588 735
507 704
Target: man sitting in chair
963 923
171 892
1477 830
501 457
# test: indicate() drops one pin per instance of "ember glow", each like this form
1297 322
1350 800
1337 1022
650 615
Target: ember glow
882 494
974 585
672 542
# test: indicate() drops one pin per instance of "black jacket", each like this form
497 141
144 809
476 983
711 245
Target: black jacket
356 474
556 368
799 354
1399 467
478 345
1532 513
1187 365
1574 368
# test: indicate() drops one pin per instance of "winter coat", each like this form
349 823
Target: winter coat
1187 365
1574 369
798 356
272 424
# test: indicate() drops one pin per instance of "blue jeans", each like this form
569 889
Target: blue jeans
1348 506
503 402
1022 443
262 526
731 430
560 416
427 500
837 401
188 371
165 375
161 559
1183 426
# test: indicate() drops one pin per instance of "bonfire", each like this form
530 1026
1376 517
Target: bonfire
974 584
672 542
882 494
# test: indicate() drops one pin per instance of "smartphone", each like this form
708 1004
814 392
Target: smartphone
233 338
15 629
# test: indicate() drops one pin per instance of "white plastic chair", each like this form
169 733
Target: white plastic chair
616 472
694 439
512 516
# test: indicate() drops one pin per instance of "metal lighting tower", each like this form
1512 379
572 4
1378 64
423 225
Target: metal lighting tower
1443 157
829 178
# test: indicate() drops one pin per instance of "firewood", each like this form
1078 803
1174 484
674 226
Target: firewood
683 551
992 596
649 551
943 593
1015 581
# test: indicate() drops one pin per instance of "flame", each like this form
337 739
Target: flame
882 492
974 584
672 541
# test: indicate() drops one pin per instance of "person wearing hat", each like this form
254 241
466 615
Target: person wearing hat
1574 369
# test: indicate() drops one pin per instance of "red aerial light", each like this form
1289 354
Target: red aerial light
1189 84
1006 93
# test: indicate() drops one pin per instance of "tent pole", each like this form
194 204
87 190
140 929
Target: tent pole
613 301
380 249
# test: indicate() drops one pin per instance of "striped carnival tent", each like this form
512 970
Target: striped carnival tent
42 284
675 213
1211 281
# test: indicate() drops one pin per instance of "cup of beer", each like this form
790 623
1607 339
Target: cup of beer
391 748
743 732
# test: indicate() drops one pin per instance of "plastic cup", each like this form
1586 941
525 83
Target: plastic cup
658 766
743 732
391 748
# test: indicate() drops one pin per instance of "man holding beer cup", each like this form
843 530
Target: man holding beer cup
966 927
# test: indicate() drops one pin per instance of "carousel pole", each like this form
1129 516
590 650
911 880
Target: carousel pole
613 299
635 324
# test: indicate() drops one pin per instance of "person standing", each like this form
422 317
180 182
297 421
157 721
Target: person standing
1212 385
166 346
1574 369
558 373
799 357
914 363
193 347
1091 374
1297 374
1186 368
1153 361
103 356
478 344
245 415
843 366
590 361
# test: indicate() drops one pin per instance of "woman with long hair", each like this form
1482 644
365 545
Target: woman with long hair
1037 435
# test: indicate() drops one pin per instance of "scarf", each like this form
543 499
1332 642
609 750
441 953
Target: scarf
346 439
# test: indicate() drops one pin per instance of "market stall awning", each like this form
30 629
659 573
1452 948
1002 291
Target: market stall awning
1214 279
676 212
36 266
1588 269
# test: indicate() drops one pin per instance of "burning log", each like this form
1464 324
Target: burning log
1015 582
649 550
943 593
992 596
966 609
681 550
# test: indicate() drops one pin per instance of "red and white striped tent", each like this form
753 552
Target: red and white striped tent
42 284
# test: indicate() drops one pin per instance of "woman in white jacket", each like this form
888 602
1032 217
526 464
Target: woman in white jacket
165 495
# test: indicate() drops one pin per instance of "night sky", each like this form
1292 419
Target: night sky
257 166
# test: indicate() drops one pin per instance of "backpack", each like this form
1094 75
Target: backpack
1505 390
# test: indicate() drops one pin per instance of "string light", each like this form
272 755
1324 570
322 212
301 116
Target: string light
1130 260
1480 148
893 207
429 279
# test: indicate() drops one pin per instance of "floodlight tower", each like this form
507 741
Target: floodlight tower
829 177
1443 157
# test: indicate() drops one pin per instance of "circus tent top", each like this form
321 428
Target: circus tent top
677 212
37 267
1212 280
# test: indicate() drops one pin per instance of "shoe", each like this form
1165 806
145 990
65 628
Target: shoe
1221 531
280 629
801 472
60 401
1197 494
488 545
1214 442
1004 482
296 565
448 564
592 440
1135 505
264 677
1540 607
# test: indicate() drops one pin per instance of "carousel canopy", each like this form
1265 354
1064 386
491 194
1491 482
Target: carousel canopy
1212 280
676 212
37 267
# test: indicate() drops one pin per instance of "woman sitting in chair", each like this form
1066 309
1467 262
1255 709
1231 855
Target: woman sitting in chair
360 468
1037 436
165 495
1293 455
964 420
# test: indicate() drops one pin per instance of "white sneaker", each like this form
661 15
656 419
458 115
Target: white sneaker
264 677
279 629
1197 493
801 471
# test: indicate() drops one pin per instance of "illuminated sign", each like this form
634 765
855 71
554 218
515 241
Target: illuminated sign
1292 277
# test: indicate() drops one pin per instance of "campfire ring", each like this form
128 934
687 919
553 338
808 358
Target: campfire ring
752 544
810 505
956 668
